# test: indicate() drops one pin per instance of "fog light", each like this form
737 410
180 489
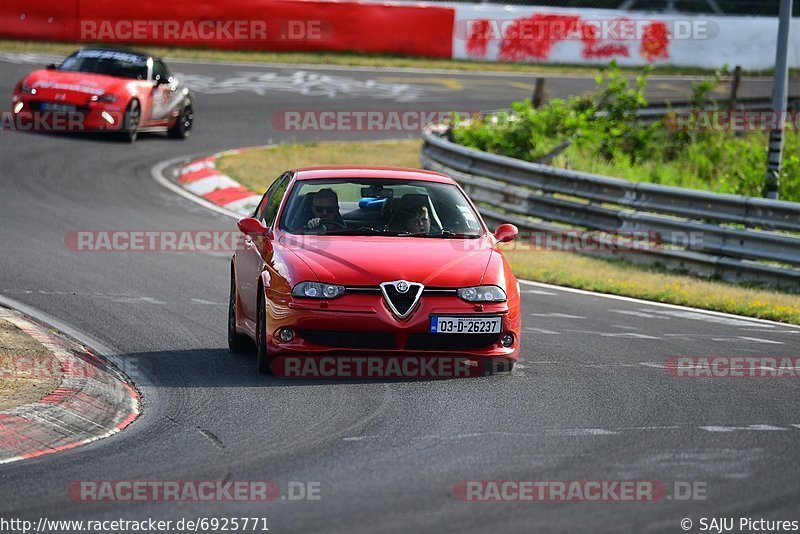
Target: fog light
107 116
286 334
507 340
18 107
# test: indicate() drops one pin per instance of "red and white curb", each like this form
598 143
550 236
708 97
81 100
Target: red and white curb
202 178
92 402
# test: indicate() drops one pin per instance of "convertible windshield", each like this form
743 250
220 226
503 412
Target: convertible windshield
399 208
108 62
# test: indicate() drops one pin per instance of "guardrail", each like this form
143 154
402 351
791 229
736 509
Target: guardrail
690 223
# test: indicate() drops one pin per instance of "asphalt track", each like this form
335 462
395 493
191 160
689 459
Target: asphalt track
590 400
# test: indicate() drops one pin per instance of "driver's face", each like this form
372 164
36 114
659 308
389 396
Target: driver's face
325 208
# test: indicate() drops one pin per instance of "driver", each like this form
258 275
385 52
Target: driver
418 221
324 207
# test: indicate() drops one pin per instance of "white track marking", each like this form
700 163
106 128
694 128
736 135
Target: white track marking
557 315
750 320
157 172
301 82
204 186
536 292
630 335
359 438
759 340
770 428
208 302
540 331
582 432
639 314
739 339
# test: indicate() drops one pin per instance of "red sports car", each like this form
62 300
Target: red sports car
379 261
108 89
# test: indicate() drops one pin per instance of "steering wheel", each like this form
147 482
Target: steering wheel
334 224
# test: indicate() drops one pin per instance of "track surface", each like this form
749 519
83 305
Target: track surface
588 402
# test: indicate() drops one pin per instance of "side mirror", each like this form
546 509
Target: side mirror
506 232
51 66
252 227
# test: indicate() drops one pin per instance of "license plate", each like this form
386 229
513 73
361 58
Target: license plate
465 325
51 106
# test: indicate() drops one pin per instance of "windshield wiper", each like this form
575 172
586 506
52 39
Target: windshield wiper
365 230
444 234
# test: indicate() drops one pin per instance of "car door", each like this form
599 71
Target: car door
164 95
255 255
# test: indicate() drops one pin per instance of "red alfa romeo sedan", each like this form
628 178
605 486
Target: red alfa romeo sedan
382 262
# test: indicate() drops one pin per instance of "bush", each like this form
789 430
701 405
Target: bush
606 138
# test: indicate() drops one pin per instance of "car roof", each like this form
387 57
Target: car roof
355 171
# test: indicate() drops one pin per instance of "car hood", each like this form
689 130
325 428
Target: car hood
76 87
368 261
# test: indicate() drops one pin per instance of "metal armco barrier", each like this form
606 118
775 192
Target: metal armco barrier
688 221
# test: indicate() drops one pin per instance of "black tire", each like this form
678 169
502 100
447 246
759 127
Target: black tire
130 124
263 359
492 366
238 343
183 126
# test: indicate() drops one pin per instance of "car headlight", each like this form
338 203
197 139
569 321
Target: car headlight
27 89
107 98
482 294
317 290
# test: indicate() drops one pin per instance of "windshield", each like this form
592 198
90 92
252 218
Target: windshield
108 62
398 208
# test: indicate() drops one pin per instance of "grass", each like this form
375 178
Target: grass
721 163
354 59
257 168
28 371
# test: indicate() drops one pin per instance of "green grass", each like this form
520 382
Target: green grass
351 59
256 168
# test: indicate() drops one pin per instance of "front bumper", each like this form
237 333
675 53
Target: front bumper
30 115
362 324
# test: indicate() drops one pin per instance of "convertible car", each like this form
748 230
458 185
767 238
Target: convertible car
115 90
372 261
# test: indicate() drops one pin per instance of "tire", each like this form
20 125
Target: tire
238 343
130 124
183 126
492 366
263 358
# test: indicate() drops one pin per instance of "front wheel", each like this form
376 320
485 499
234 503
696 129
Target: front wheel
237 342
130 124
263 358
183 126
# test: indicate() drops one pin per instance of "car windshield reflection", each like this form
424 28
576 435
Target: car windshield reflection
385 207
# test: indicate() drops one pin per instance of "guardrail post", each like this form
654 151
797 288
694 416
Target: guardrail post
737 74
538 93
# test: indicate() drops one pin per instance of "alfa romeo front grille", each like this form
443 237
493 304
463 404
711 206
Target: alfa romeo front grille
401 296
